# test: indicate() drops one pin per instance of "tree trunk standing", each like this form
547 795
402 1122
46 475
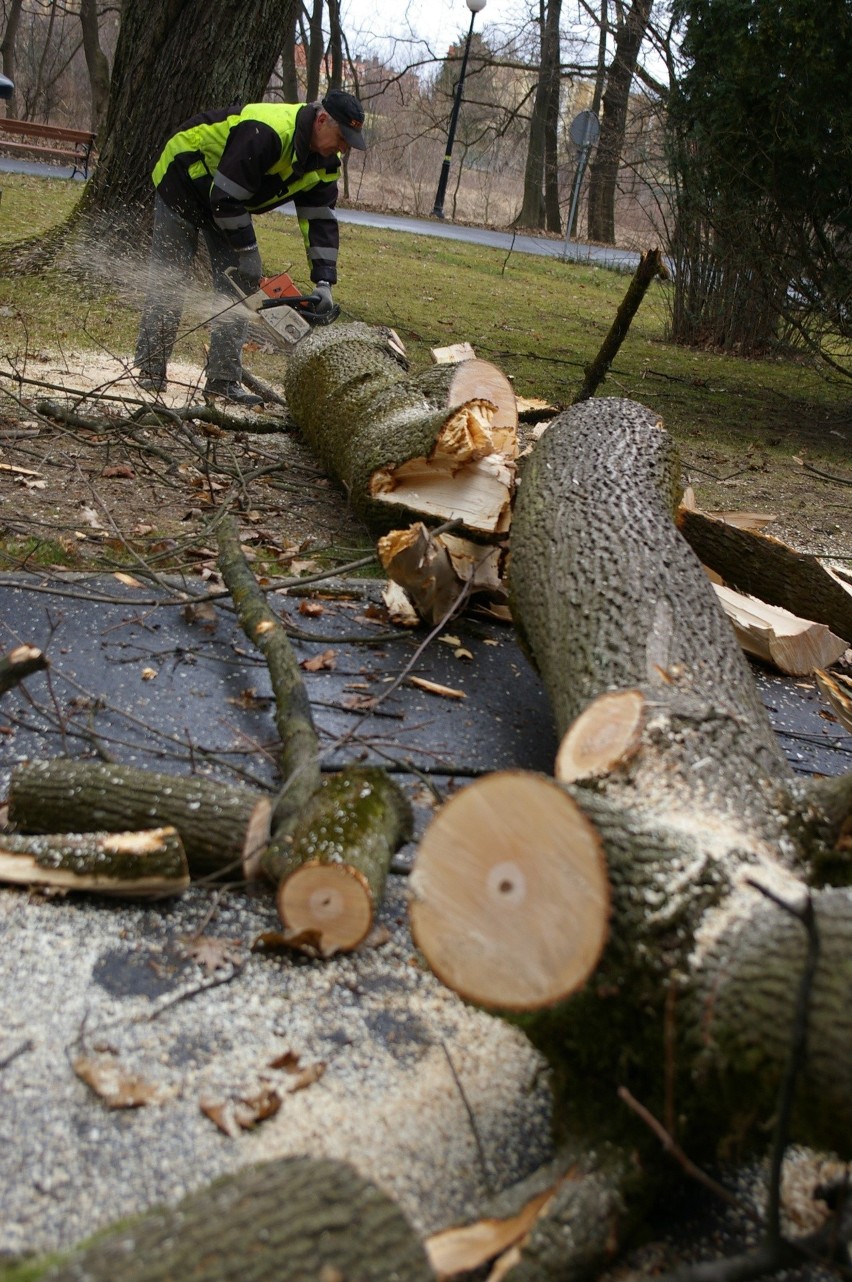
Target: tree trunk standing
316 48
335 46
603 171
532 213
174 58
290 88
9 52
96 61
550 70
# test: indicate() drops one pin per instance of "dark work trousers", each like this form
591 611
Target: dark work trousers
173 248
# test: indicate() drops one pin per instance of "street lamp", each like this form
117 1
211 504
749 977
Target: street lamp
438 211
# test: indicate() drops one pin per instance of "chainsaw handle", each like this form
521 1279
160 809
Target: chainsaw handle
289 300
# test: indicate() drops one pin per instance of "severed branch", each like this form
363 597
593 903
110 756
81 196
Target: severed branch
299 761
650 265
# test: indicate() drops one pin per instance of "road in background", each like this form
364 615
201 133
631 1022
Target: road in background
510 242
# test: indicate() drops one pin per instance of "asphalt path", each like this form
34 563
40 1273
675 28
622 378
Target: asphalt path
506 241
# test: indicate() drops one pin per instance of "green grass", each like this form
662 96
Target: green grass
542 320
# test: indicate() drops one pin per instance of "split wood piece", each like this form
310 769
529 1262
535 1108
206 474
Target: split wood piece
766 568
650 265
19 663
331 871
606 734
837 689
792 645
403 447
435 569
743 520
453 353
152 862
303 1218
222 828
299 756
510 897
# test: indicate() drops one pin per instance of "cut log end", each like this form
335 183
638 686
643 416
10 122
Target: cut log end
605 735
325 908
510 893
256 838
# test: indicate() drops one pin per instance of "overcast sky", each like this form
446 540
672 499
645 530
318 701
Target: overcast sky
438 22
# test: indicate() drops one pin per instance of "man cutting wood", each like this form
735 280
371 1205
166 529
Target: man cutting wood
214 174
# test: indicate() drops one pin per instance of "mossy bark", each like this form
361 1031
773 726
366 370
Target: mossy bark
221 828
301 1218
299 758
151 862
332 866
364 417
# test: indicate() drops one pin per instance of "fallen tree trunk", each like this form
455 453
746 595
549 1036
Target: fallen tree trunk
146 863
709 839
306 1219
222 828
435 447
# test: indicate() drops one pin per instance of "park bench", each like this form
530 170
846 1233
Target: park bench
71 145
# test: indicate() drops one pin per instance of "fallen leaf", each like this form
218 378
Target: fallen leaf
307 1077
119 471
148 674
114 1084
212 952
325 662
311 609
221 1114
249 1111
203 613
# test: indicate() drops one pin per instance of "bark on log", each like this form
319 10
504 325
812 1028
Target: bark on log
299 761
306 1219
222 828
331 873
762 566
708 837
18 664
146 863
405 448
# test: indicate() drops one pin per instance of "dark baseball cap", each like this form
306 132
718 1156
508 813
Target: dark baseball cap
347 112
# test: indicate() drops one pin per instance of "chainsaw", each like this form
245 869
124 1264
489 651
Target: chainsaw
284 313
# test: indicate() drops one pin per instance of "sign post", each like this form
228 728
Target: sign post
584 132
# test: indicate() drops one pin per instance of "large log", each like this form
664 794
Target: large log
304 1219
436 447
708 837
222 828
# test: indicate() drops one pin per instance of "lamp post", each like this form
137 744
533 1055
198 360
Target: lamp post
438 211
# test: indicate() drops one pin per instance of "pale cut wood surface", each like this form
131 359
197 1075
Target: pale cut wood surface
795 646
328 906
510 893
606 733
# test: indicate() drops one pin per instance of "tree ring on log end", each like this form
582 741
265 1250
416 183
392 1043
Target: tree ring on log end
510 895
606 734
328 905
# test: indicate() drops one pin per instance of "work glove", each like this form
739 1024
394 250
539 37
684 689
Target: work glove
321 298
249 269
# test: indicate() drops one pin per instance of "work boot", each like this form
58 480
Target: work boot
151 382
234 392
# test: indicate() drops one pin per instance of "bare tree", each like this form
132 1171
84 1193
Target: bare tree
8 50
540 205
96 61
603 173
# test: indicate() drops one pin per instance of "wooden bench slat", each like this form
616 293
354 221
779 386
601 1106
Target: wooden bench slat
30 128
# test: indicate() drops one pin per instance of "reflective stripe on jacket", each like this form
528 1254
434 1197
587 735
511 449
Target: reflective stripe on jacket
223 166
